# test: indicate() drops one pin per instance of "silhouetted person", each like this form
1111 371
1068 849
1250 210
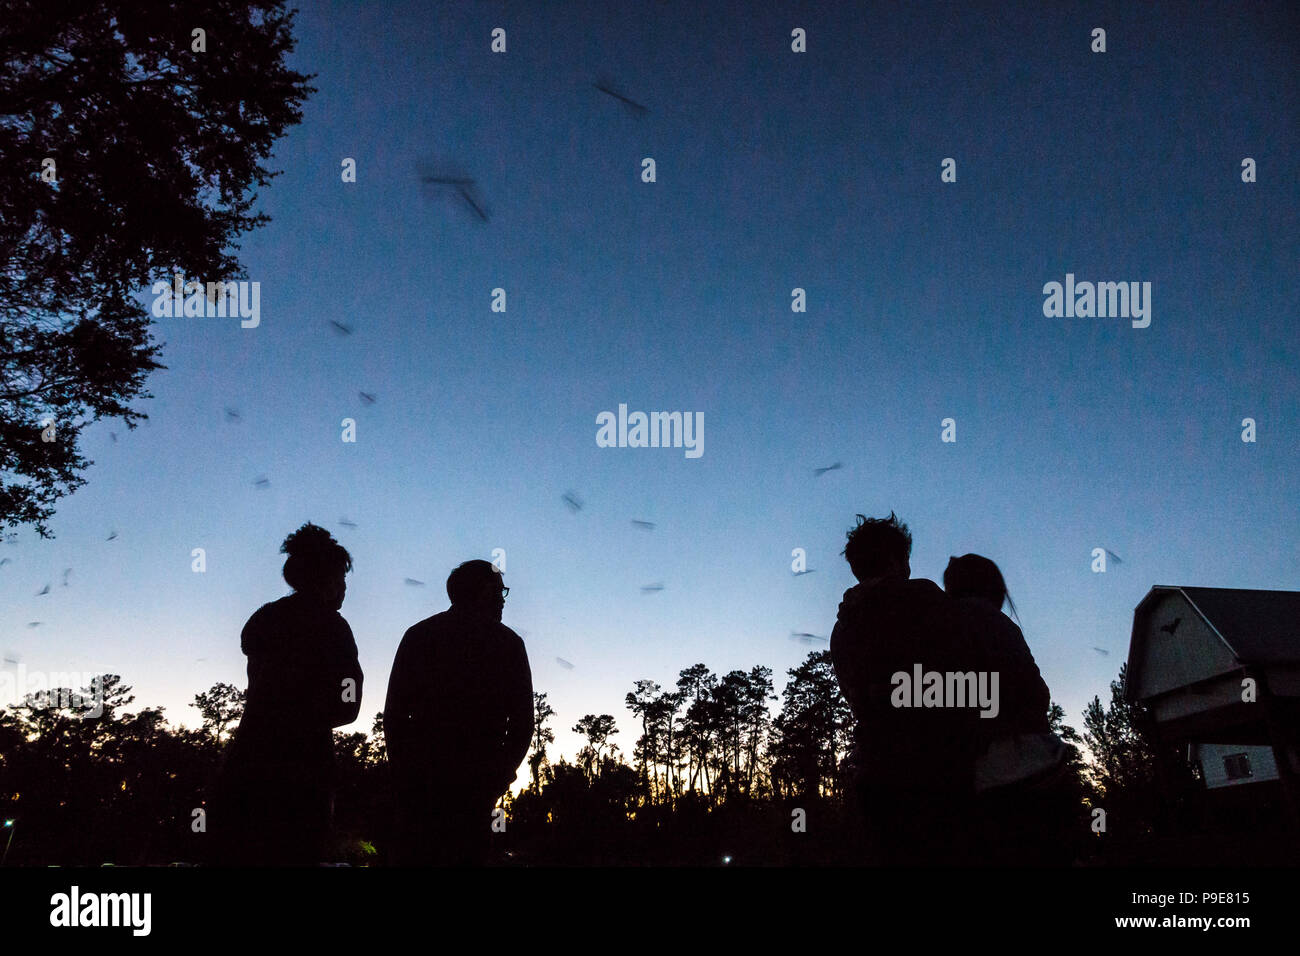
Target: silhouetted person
457 722
1020 820
912 766
274 800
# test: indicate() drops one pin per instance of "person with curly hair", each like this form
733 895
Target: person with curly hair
274 799
911 767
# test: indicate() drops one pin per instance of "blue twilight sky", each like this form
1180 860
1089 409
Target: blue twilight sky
775 170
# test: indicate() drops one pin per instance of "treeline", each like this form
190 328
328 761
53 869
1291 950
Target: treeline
714 776
716 738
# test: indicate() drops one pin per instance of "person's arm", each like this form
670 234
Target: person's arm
397 705
345 697
1038 697
848 651
844 661
519 723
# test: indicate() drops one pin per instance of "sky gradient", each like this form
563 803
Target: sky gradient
775 170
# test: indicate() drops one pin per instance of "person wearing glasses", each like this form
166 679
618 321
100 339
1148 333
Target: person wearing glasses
457 722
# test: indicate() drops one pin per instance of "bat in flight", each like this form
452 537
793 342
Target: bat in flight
472 204
803 637
340 328
462 185
607 88
643 525
818 472
651 588
572 501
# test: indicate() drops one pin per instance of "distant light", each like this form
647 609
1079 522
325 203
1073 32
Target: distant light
726 859
9 823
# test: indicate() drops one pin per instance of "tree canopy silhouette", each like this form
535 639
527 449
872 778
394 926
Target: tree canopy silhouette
132 143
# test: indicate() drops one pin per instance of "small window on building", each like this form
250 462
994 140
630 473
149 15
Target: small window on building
1237 766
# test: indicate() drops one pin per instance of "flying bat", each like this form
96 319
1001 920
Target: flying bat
66 572
644 525
340 328
1102 651
35 623
44 590
1113 556
367 397
563 663
261 483
464 194
462 185
4 561
113 435
413 583
808 571
818 472
651 588
1172 626
112 535
346 523
803 637
573 501
232 415
635 107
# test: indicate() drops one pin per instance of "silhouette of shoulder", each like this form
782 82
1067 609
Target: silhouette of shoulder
278 626
1001 647
452 626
